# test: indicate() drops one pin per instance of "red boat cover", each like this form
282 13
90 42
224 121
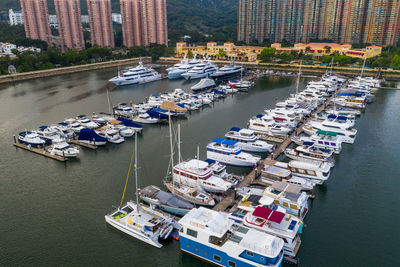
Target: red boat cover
269 214
278 119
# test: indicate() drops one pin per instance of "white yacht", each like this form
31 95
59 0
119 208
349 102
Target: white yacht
310 154
263 125
63 149
196 173
144 117
321 139
247 140
278 171
347 136
201 70
31 139
74 125
228 71
111 134
227 152
86 123
139 74
317 172
176 71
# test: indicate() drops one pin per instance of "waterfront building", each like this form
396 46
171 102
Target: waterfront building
70 24
36 19
144 22
15 17
212 49
101 30
324 49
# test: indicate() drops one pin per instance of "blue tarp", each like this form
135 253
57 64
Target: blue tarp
235 129
259 115
129 123
90 135
224 141
209 161
63 124
181 105
156 114
43 127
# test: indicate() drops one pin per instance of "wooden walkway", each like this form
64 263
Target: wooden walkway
76 142
42 152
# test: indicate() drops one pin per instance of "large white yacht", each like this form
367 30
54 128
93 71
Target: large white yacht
201 70
139 74
228 71
176 71
196 173
226 151
247 140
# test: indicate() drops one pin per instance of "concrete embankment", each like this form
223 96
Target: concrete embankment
68 70
306 69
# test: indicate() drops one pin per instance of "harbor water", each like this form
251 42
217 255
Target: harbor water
53 213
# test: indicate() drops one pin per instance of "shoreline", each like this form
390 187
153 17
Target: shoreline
18 77
306 69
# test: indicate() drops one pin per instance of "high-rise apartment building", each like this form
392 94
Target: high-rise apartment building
252 21
155 22
342 21
36 19
144 22
132 25
101 29
69 24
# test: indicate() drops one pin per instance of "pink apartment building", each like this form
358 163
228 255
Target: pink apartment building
101 29
70 24
36 19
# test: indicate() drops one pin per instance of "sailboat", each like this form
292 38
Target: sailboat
195 195
137 220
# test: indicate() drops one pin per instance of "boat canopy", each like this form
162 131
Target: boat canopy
223 141
327 133
90 135
63 124
235 129
259 115
307 143
268 214
43 127
157 114
129 123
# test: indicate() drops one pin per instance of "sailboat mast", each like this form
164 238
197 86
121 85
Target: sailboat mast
362 69
179 143
298 79
170 142
136 173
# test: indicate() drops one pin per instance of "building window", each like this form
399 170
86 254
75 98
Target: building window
231 263
191 232
217 258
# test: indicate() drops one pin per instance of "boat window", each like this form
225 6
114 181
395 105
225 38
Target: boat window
191 232
285 204
302 171
231 264
217 258
292 206
311 172
251 254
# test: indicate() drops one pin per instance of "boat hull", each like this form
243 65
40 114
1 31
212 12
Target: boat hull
206 253
172 210
132 233
229 160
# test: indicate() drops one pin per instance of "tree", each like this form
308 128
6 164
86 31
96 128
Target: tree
189 54
222 54
395 61
327 49
308 49
267 53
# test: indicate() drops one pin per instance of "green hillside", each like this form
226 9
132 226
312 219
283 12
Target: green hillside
196 18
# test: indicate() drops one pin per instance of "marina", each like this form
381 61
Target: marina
151 132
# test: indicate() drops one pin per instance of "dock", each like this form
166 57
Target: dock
228 202
42 152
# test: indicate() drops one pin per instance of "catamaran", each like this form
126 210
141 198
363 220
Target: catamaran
140 222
